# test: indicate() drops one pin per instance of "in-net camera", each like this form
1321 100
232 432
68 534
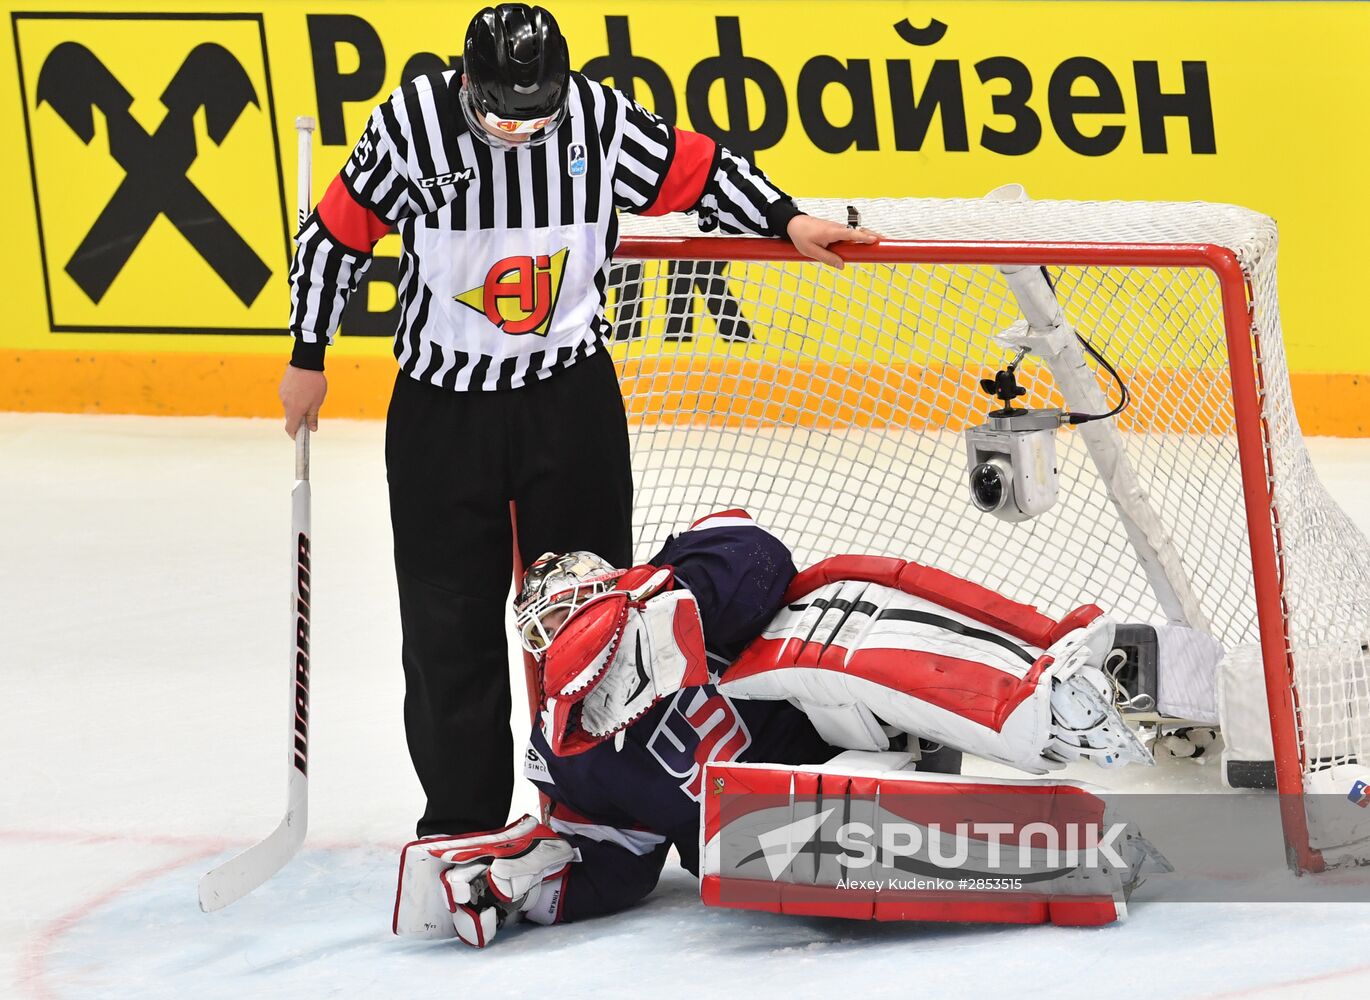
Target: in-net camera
1012 455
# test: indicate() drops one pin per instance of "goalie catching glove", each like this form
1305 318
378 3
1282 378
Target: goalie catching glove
471 886
615 655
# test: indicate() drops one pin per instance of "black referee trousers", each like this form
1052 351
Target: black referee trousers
558 448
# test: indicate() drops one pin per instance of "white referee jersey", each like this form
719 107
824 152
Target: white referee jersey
506 253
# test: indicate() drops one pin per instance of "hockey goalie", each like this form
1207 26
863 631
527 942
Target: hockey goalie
717 654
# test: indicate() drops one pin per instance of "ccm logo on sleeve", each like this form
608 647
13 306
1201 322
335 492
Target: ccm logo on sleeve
462 178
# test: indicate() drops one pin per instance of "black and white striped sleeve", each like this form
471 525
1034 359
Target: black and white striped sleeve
334 246
743 200
664 169
322 277
377 173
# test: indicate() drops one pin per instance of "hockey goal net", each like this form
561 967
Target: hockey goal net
832 405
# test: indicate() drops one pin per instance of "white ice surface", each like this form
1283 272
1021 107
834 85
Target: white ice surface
142 646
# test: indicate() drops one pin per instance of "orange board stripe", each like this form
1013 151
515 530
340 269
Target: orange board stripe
713 391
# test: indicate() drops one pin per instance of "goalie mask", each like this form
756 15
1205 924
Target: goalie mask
553 587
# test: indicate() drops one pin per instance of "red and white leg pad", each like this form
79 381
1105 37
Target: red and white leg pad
865 640
862 838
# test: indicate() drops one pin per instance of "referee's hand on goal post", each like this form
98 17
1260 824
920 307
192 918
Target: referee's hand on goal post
814 238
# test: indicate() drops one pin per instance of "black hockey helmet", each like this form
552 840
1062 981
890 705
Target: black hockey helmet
518 71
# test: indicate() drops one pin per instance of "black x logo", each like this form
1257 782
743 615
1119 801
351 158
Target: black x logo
76 84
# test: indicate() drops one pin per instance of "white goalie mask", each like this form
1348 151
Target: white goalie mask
553 587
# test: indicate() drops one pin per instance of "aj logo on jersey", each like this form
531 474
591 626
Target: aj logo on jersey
700 726
519 294
156 171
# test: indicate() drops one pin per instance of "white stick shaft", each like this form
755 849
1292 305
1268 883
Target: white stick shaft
297 792
304 202
304 133
302 454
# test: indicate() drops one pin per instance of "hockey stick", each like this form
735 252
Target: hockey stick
239 875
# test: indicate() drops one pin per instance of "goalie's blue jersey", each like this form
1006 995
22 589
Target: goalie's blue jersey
624 809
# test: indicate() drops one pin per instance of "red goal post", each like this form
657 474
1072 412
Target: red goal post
831 404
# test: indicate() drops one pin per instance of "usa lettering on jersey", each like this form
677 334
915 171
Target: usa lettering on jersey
700 727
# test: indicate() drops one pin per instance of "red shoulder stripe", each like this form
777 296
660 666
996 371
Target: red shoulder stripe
685 178
351 223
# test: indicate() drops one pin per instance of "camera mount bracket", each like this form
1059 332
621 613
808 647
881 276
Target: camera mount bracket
1042 341
1025 420
1004 386
1045 331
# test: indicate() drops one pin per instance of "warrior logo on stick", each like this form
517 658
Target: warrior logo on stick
301 742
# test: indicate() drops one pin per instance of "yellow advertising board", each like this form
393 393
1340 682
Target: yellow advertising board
153 153
156 172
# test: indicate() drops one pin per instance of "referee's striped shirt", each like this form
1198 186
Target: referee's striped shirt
506 253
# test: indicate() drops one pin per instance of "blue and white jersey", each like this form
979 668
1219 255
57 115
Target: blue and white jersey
624 809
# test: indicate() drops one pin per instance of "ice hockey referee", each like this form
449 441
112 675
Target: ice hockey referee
504 181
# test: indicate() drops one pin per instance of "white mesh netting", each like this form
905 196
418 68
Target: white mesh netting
831 404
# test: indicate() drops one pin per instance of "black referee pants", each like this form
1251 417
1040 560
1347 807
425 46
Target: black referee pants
557 448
